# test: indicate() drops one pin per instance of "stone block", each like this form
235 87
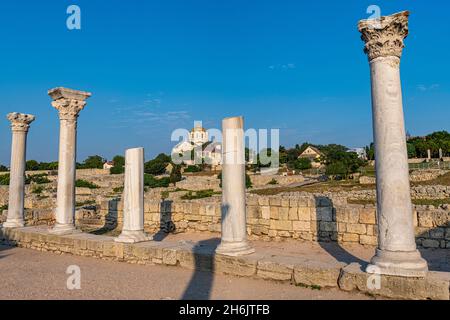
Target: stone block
434 286
274 213
350 237
169 256
283 213
273 270
328 226
275 201
437 233
425 219
356 228
368 240
313 273
367 216
304 213
285 202
430 243
301 225
281 225
293 215
265 212
237 266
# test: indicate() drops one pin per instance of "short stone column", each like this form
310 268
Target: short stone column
397 253
69 103
20 123
133 198
234 223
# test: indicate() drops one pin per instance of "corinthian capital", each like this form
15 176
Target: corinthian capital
20 121
68 102
384 37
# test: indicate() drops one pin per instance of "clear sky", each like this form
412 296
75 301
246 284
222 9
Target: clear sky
154 66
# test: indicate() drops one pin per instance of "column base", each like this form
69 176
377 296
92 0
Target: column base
234 249
63 229
133 237
398 263
13 223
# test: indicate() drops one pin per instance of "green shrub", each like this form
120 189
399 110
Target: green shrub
175 175
152 182
4 179
118 189
4 207
273 182
117 170
193 169
37 189
191 195
38 178
86 184
248 180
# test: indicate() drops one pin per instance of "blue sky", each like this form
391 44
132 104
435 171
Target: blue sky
154 66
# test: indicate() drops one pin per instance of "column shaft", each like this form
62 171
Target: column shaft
397 253
17 180
234 223
133 198
20 124
69 103
65 210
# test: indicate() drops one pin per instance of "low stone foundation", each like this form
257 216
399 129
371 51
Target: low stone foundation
302 217
262 265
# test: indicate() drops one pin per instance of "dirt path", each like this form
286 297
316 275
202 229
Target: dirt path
29 274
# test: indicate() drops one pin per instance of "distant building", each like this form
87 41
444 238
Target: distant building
108 165
313 154
361 152
197 138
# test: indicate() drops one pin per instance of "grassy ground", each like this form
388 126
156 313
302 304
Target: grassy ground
421 202
443 180
329 186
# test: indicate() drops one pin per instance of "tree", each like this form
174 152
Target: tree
3 168
32 165
163 158
411 150
119 165
175 175
119 161
155 167
300 164
93 162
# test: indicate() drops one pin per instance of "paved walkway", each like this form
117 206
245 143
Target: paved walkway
29 274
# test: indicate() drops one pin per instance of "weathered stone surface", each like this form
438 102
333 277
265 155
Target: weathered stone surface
275 270
434 286
312 273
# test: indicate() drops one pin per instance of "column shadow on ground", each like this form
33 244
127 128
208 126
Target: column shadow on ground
204 252
328 240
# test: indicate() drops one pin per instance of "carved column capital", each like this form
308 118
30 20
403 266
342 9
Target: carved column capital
384 37
68 102
20 121
69 109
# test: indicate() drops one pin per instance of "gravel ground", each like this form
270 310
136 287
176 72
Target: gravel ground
29 274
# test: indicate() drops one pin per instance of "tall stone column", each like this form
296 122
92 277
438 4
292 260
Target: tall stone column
69 103
234 223
20 123
397 253
133 194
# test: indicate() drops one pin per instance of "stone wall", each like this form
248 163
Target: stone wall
263 180
195 183
297 216
417 192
